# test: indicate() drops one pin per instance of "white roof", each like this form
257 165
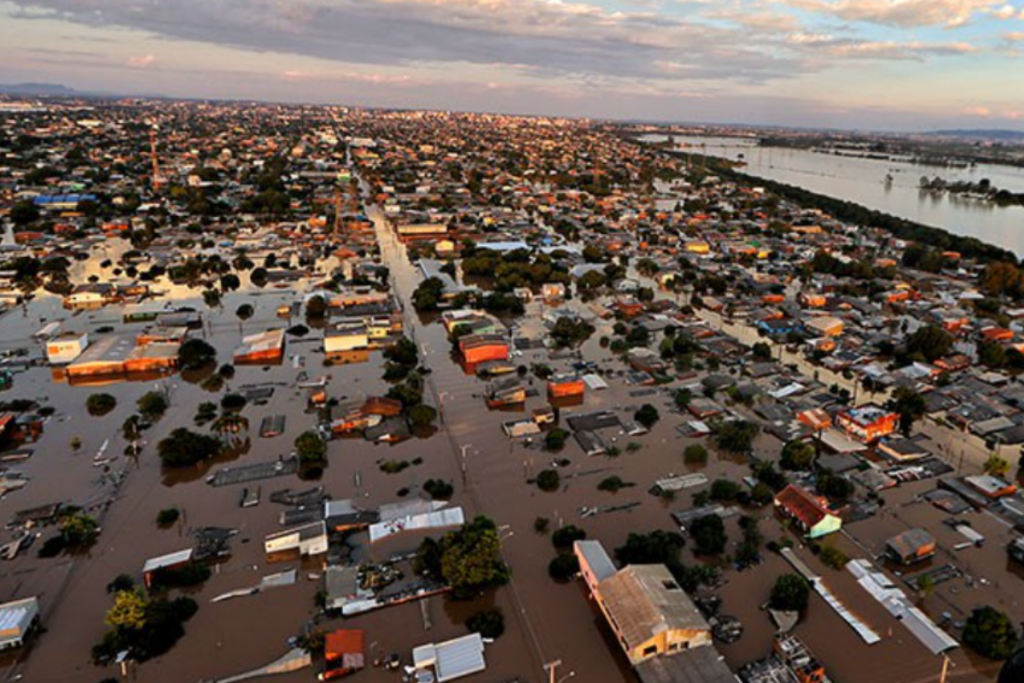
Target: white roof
169 560
430 520
16 616
452 659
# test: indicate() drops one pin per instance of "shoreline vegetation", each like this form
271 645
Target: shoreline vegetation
983 190
851 212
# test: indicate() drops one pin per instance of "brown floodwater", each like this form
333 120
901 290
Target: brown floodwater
492 475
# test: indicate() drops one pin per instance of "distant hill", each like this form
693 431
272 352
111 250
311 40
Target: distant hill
50 89
981 134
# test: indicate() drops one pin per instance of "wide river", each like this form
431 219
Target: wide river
863 181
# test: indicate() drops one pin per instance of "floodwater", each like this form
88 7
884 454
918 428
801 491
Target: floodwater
544 620
863 181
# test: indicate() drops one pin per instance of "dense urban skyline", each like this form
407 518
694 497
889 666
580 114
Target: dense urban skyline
902 64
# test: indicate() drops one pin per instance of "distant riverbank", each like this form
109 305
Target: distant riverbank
888 187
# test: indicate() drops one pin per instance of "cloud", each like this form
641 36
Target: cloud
554 38
141 61
903 13
830 45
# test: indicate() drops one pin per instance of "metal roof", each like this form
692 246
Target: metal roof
169 560
452 659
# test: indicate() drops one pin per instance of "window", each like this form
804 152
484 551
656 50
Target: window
671 585
648 651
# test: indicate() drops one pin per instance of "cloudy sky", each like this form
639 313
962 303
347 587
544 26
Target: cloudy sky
882 64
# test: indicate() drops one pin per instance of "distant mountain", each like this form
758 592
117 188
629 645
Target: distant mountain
46 89
981 134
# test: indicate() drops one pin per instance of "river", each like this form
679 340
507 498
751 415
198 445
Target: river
863 181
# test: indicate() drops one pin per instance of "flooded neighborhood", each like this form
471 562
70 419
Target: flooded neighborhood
297 393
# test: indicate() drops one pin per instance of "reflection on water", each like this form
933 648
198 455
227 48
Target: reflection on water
863 181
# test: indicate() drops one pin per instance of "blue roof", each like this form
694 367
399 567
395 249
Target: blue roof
45 199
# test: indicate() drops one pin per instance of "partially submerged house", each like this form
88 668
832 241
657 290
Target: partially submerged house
809 512
17 619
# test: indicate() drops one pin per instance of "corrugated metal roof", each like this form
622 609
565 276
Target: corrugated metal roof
452 659
168 560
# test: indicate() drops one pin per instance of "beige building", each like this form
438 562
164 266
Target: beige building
649 612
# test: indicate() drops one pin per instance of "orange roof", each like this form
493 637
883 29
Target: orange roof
346 641
802 505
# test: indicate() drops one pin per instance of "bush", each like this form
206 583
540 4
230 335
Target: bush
184 447
695 454
438 489
612 484
555 439
564 538
563 567
489 623
790 593
990 633
167 517
833 557
100 404
78 530
548 480
310 447
708 534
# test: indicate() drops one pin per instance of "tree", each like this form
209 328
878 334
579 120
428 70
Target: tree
563 567
570 332
797 455
736 436
991 354
244 312
310 447
128 611
564 537
184 447
724 490
555 439
195 354
422 415
471 558
656 547
833 557
78 530
910 405
762 351
790 593
548 480
833 485
428 295
931 342
708 533
100 404
24 212
1001 279
991 633
647 415
316 307
695 454
152 405
167 517
997 466
488 623
438 489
